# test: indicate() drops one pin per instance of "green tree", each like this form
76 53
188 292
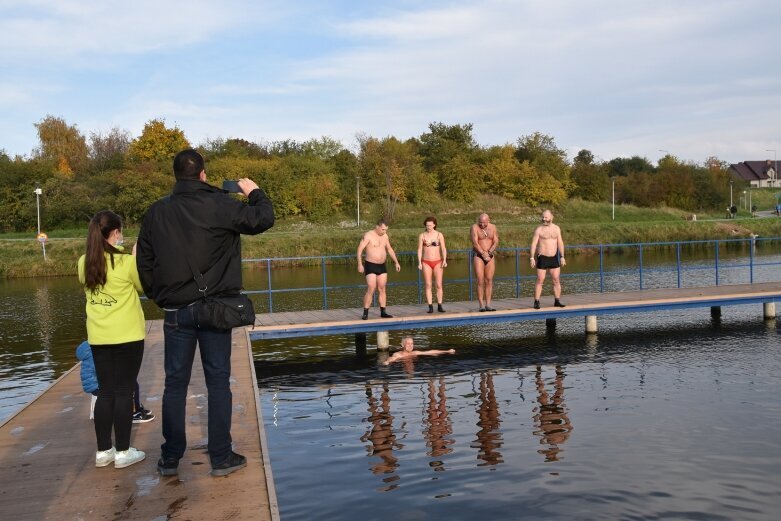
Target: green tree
158 142
108 151
444 142
590 180
546 158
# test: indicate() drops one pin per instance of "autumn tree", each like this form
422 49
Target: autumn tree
62 145
158 142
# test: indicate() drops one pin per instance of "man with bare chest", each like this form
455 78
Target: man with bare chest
485 240
547 254
377 246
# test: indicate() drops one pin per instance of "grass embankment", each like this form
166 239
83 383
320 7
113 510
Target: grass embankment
581 223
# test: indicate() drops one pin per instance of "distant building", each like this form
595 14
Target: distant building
760 174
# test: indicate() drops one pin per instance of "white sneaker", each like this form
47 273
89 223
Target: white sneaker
104 457
125 458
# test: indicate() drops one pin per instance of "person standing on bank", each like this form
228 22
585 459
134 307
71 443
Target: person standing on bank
377 246
485 240
198 225
432 260
547 254
115 332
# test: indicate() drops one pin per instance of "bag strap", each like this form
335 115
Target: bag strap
197 275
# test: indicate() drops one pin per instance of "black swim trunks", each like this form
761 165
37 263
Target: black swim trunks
479 255
545 262
373 268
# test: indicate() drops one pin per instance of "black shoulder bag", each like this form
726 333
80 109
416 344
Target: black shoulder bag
221 311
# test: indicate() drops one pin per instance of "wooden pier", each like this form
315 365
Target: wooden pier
47 453
590 305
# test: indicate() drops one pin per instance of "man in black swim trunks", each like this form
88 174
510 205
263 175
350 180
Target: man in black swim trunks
377 247
547 254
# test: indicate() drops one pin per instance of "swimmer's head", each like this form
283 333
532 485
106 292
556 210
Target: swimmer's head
407 344
547 217
483 220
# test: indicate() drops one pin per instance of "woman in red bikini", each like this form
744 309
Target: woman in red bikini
432 260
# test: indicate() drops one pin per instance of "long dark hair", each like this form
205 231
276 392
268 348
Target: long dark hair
100 227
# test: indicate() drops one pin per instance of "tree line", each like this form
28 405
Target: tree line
319 178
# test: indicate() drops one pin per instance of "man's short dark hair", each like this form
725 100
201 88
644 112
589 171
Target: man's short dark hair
382 221
188 164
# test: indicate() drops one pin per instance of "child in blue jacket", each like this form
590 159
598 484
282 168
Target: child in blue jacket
89 382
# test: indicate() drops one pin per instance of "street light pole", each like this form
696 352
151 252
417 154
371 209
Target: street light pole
775 160
614 197
38 193
358 201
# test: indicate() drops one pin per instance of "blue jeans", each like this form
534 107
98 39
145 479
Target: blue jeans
215 348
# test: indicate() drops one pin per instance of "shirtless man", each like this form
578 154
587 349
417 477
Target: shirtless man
547 254
377 245
408 351
485 240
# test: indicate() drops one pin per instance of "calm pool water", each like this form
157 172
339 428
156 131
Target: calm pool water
657 418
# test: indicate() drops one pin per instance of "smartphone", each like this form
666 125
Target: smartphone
231 186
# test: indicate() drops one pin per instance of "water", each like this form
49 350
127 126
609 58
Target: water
657 417
666 418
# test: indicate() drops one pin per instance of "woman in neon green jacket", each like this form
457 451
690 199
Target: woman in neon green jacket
115 330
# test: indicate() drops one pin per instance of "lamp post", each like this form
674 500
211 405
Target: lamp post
38 193
745 199
775 160
358 201
614 196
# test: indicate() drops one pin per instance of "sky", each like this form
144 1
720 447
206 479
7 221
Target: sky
692 78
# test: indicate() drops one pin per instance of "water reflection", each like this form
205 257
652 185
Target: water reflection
437 426
489 437
552 423
381 437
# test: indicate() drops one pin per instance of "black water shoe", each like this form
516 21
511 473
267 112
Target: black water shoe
536 304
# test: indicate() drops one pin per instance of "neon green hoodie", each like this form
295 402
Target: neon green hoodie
114 314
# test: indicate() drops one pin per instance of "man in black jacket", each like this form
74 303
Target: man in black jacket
201 223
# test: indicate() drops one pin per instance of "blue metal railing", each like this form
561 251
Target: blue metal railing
643 271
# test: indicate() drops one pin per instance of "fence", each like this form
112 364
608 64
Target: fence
640 266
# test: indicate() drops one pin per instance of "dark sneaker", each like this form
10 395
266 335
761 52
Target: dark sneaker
558 304
143 416
385 315
168 466
430 309
365 315
488 308
233 463
536 304
440 308
481 309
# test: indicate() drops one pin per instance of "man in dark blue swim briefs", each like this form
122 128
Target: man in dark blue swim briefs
377 247
547 254
485 240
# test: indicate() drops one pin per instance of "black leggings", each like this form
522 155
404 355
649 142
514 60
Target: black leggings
117 367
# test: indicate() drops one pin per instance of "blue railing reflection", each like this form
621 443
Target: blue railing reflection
646 273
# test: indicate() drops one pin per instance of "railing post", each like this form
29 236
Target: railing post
717 262
517 273
270 298
469 259
751 243
641 265
601 269
325 285
678 261
420 291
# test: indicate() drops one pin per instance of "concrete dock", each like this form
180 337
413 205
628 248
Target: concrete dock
48 448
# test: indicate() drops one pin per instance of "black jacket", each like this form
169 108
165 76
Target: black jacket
202 222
